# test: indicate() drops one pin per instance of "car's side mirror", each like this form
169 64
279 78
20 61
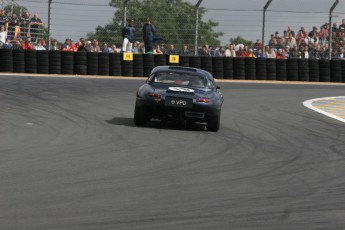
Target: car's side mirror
218 87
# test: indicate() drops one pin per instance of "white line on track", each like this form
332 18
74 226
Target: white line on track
309 104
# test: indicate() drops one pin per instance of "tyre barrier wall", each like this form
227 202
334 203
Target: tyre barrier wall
141 65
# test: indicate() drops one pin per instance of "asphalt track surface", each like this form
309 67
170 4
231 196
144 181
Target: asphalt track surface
71 158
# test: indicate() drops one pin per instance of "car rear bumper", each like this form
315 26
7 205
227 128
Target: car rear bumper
157 109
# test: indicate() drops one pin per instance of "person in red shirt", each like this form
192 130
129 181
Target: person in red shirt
27 45
280 54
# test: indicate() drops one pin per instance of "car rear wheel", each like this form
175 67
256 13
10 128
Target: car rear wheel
213 123
140 117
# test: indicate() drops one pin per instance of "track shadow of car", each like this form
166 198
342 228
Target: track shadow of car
156 124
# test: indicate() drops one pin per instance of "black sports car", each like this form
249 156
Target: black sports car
176 93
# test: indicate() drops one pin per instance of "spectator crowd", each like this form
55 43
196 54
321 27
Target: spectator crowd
23 33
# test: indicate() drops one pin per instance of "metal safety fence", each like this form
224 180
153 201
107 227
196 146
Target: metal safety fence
187 22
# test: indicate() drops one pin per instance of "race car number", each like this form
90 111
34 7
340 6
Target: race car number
180 89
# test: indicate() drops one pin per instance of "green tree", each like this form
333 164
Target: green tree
241 40
174 21
16 9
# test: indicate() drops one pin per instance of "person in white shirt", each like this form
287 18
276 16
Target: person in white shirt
3 34
39 45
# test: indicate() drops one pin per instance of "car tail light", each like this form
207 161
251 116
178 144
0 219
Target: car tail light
154 95
204 100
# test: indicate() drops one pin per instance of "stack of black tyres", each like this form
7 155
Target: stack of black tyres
18 61
206 63
6 60
218 67
138 65
281 69
336 71
228 68
67 62
324 70
126 67
239 68
303 69
271 69
43 61
115 64
103 64
184 61
80 63
54 62
195 61
261 69
292 69
149 63
250 68
314 70
92 63
343 71
161 59
30 57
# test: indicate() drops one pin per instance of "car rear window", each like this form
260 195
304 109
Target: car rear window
183 79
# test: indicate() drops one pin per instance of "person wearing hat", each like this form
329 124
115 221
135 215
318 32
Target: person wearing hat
251 53
128 36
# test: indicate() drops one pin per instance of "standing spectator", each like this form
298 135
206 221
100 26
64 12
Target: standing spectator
291 41
342 26
128 36
185 51
24 25
136 47
157 50
39 45
259 54
171 50
313 32
54 45
113 49
7 44
341 54
3 18
149 31
230 52
304 52
273 41
315 52
290 31
82 46
251 53
94 46
335 28
67 46
35 24
12 24
287 51
3 34
280 54
27 45
105 48
258 44
270 53
325 29
18 45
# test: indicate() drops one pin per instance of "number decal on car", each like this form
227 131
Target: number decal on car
180 89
